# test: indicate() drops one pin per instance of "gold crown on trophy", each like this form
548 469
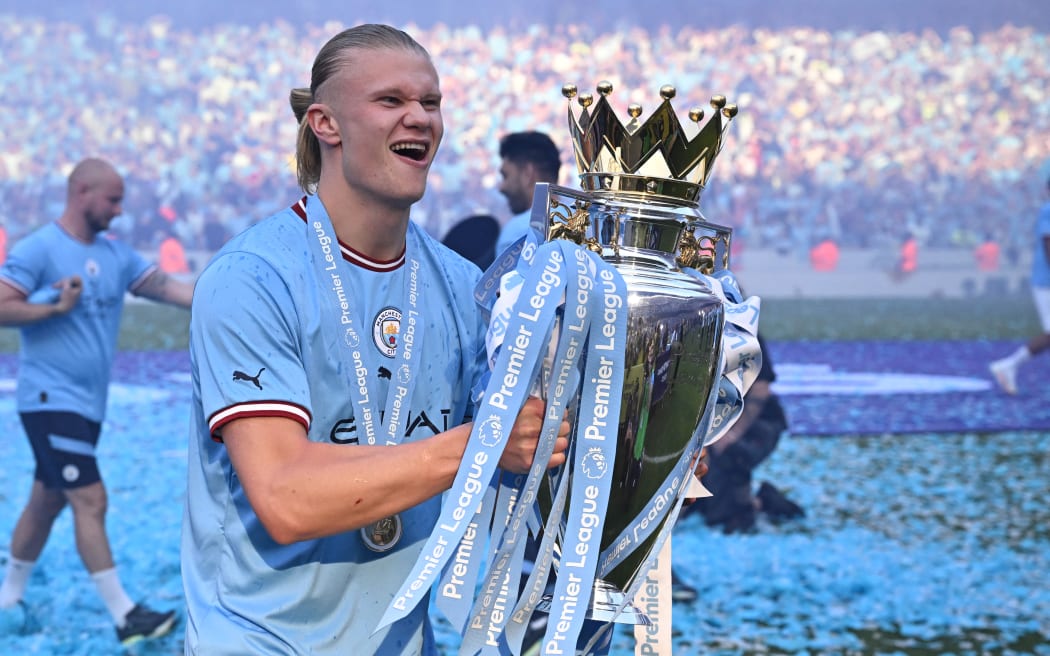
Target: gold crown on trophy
654 158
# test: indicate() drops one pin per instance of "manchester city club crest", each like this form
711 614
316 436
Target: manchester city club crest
386 330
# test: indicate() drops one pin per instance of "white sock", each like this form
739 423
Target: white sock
112 592
15 581
1019 357
1016 358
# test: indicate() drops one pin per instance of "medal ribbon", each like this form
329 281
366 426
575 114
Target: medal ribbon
355 358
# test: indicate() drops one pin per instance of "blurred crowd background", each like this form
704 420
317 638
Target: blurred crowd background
859 122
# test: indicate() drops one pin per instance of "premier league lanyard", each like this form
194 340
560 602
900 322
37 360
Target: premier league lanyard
341 313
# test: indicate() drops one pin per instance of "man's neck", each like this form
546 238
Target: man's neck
377 232
77 227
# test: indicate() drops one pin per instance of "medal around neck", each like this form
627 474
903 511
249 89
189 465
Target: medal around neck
383 535
340 316
634 355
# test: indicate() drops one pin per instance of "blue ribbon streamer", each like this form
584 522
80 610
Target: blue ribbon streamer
571 340
504 396
594 452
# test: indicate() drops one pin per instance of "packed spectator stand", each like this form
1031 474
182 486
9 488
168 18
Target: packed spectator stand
853 135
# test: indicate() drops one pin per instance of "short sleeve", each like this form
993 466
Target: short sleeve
245 343
24 268
136 267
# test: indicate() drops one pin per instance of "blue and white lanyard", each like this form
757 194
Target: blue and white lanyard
341 314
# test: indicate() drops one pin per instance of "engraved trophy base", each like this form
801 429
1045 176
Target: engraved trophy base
605 599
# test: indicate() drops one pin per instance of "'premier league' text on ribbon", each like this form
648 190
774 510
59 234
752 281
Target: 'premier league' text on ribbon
405 344
453 589
549 280
502 400
489 617
601 383
359 368
600 402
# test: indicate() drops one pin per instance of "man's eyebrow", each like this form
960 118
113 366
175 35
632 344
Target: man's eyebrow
401 93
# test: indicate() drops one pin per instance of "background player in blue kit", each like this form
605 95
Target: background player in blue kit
64 286
525 159
334 346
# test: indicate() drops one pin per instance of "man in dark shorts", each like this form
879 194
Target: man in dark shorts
63 286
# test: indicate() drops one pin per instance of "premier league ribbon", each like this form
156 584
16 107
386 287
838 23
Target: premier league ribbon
588 361
739 366
741 354
594 447
558 303
342 314
505 393
596 290
502 281
489 616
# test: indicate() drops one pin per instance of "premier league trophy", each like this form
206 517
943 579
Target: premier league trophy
620 311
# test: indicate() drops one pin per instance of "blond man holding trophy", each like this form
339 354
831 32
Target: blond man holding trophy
334 348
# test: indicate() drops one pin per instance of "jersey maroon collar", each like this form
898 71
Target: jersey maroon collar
356 257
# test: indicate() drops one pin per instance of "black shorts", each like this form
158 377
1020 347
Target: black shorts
63 444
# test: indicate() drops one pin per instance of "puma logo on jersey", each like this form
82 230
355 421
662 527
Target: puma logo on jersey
240 375
384 373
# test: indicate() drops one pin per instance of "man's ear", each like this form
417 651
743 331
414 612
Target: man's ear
324 124
533 172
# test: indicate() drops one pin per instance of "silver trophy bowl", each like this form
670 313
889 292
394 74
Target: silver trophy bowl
672 362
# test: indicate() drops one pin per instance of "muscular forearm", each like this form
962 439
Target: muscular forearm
161 287
321 489
302 490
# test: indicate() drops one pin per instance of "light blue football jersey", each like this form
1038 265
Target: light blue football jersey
65 361
513 230
258 348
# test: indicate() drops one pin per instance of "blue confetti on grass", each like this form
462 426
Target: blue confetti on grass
915 542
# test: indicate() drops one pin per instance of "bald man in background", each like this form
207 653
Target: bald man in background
63 287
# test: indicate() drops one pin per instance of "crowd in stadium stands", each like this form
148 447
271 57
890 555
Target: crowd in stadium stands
850 136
